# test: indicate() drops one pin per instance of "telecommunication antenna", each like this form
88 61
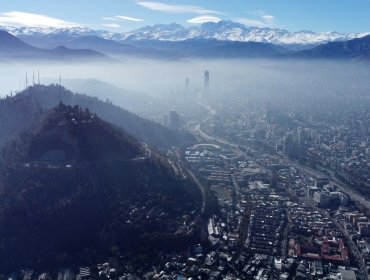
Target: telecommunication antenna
60 88
33 77
26 80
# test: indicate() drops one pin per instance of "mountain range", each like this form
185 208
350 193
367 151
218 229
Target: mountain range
225 39
222 31
358 48
12 47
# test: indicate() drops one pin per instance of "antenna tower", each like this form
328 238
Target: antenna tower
60 88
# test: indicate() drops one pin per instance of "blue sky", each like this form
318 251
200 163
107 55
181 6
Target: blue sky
124 15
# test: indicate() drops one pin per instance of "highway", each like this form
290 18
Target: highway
302 168
197 130
197 127
305 170
341 186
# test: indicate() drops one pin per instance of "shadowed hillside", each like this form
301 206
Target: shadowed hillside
75 186
16 112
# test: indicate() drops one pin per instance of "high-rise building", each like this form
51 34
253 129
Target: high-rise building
174 121
187 87
206 82
187 84
289 144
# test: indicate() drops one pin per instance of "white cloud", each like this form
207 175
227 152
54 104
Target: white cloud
175 9
251 22
268 19
110 18
129 18
264 20
121 18
111 25
16 18
203 19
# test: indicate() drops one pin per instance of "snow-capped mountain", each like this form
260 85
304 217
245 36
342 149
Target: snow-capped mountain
232 31
73 32
222 31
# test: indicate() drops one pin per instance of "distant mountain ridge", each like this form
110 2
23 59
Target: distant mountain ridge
215 49
14 48
224 40
223 31
232 31
358 48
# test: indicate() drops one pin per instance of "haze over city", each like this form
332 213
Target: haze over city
184 140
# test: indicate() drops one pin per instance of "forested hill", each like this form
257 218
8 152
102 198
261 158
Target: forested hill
18 111
75 186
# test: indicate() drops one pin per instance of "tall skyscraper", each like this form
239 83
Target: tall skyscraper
187 87
174 120
206 82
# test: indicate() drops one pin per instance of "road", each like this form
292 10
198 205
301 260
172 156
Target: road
305 170
344 188
351 193
197 127
185 173
197 130
302 168
354 249
352 246
201 187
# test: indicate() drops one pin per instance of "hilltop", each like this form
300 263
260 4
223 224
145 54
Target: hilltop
18 111
74 187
